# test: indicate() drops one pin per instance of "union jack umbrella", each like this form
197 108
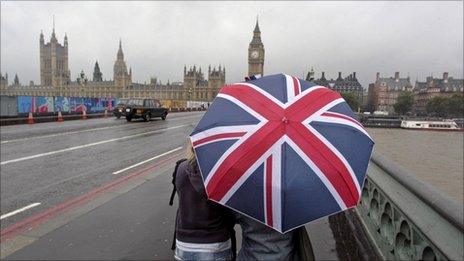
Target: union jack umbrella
282 150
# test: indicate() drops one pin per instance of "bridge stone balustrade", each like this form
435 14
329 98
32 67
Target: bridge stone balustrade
407 219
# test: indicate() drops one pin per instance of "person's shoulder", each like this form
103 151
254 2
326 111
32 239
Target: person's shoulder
182 167
183 163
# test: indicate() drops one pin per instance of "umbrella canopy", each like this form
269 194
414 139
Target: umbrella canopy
282 151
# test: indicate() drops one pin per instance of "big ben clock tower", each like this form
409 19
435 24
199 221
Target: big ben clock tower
256 53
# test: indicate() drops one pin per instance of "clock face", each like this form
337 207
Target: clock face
254 54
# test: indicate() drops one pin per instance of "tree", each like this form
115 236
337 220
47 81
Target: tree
437 106
456 105
352 99
404 103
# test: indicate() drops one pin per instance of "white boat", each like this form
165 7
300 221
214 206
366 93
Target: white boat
430 125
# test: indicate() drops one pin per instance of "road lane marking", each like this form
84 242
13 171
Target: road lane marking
88 145
145 161
59 134
19 210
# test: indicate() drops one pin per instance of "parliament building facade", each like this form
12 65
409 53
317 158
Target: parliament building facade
55 77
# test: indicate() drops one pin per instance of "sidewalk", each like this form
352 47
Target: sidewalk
133 222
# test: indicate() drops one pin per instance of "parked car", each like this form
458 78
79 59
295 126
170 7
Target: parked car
120 109
145 109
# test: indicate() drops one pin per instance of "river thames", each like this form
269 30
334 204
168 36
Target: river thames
433 156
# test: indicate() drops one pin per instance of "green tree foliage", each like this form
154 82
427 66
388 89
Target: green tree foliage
446 107
438 106
352 99
404 103
456 105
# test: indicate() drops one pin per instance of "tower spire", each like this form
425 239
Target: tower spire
257 25
53 31
41 37
120 55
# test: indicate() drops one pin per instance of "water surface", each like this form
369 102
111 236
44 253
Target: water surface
435 157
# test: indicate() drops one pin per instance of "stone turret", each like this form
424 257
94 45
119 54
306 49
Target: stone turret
122 78
97 74
310 75
3 81
216 79
54 70
65 40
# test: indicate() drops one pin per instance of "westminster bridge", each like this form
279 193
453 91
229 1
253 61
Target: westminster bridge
96 196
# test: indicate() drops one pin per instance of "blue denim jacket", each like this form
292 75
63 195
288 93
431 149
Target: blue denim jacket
260 242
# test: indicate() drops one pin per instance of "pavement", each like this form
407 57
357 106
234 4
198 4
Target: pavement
86 212
136 223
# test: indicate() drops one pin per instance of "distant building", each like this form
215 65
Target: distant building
365 100
256 53
97 74
121 78
54 70
55 77
433 87
16 80
384 92
3 81
341 85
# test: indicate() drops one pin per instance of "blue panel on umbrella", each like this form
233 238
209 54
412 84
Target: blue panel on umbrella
306 85
248 199
273 84
209 154
305 198
343 108
224 113
351 143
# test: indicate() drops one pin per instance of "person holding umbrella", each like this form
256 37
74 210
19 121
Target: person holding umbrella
260 242
282 152
204 229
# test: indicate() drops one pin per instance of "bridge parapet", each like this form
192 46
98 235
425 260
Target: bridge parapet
407 219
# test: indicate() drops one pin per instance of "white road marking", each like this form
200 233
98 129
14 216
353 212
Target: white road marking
59 134
145 161
19 210
88 145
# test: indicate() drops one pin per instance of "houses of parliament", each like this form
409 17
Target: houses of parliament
55 77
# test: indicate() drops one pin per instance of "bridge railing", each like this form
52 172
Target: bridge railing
407 219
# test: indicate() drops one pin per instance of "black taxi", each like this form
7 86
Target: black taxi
120 108
145 109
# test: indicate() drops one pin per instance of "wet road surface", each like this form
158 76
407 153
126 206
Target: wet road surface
47 163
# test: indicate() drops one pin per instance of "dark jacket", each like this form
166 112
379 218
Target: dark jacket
198 219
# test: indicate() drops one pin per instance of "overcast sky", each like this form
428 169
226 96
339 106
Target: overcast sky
159 38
